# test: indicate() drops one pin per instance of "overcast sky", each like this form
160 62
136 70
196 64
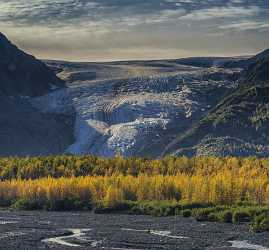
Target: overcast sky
96 30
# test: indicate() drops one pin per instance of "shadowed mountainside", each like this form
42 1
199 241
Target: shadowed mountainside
23 129
22 74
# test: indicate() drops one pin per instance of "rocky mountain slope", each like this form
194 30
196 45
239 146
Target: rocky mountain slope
22 74
24 130
238 125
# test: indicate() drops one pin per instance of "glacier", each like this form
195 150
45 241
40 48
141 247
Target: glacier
133 109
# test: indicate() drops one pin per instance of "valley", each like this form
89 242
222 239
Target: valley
190 106
108 143
134 124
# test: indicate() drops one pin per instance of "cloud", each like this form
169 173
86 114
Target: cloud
221 12
47 12
62 13
180 1
160 17
246 25
237 1
97 29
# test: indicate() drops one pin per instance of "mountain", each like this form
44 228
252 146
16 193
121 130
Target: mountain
257 72
25 130
264 55
207 62
245 62
23 74
203 106
238 125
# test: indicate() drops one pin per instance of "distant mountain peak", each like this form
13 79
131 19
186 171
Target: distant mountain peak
23 74
264 55
258 70
2 37
265 52
4 44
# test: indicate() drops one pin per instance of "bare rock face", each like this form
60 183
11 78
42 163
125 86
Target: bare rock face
22 74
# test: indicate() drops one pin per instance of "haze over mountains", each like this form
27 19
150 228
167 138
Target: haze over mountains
203 106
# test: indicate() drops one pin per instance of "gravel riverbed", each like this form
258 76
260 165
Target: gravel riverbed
84 230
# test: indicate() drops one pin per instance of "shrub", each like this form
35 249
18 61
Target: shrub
204 214
67 204
157 208
241 216
208 213
194 205
120 207
163 208
261 223
186 213
225 216
27 204
255 211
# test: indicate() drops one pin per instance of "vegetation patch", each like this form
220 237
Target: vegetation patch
27 204
229 190
261 223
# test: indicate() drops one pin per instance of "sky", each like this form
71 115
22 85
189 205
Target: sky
106 30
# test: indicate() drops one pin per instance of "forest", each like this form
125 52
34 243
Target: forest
209 188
